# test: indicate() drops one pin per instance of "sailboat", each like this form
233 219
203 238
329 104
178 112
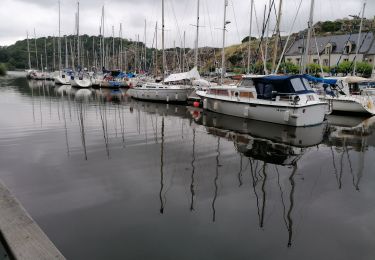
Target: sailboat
175 88
81 79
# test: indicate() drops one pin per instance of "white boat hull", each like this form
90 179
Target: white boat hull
62 80
81 83
287 115
360 104
161 95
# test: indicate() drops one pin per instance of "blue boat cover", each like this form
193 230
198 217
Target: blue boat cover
320 80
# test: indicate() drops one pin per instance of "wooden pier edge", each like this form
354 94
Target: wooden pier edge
22 235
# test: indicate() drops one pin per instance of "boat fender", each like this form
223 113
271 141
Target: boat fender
216 105
286 116
167 98
369 104
205 103
246 111
176 96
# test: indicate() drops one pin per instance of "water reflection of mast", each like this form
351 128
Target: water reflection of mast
264 195
162 202
121 117
82 127
291 205
32 102
215 180
192 175
65 126
103 118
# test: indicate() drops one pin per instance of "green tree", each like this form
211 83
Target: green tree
289 67
3 69
364 68
345 67
246 39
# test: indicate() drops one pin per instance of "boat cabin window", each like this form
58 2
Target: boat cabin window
246 83
307 84
297 84
264 91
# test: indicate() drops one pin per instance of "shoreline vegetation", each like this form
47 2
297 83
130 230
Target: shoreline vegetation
3 69
15 56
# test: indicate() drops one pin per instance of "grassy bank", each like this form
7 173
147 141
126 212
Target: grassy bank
3 70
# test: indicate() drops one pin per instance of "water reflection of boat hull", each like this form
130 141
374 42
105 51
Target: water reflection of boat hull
160 108
350 131
297 136
271 143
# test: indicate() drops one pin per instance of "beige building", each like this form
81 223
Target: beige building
334 49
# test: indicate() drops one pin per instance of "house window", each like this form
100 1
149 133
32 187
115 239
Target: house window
298 61
316 61
328 49
301 50
346 59
289 60
325 62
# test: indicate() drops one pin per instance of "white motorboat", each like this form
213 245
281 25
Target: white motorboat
287 100
345 95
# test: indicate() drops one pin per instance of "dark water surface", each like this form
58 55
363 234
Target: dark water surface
107 177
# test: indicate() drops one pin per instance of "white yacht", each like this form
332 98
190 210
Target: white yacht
345 95
287 100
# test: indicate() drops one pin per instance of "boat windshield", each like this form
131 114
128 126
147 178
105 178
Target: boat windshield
300 84
246 83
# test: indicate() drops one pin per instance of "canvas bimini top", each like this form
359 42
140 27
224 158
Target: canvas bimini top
269 86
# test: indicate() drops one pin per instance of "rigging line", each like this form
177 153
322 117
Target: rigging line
175 18
287 40
235 21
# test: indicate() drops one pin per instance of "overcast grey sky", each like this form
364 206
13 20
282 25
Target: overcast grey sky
19 16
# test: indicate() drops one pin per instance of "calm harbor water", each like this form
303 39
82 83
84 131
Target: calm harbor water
107 177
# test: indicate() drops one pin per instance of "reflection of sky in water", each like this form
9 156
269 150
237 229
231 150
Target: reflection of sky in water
229 188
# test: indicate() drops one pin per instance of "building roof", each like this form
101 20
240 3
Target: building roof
338 41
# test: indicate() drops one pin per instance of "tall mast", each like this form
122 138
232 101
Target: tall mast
36 51
54 53
197 35
145 60
275 49
156 49
359 38
28 50
223 49
309 32
78 42
45 52
249 48
162 37
59 40
183 53
113 47
121 49
66 53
